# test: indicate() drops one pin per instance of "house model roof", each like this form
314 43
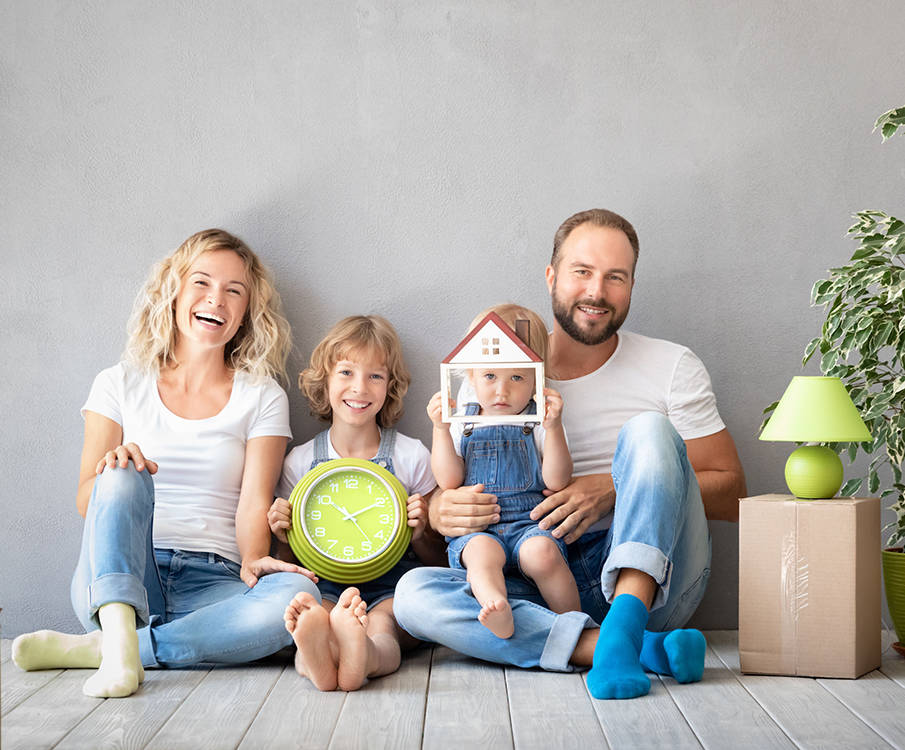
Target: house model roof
491 341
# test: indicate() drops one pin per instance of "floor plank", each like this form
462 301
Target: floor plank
466 705
808 713
551 710
893 667
132 723
653 721
722 713
48 714
388 712
876 700
6 647
18 685
219 710
295 714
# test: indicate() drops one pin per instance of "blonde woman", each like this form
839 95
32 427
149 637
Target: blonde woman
183 446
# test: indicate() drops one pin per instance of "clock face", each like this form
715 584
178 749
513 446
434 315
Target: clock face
350 515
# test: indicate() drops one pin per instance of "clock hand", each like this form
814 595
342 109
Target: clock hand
359 512
342 510
352 519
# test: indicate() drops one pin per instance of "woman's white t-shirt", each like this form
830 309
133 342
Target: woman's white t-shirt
201 461
411 465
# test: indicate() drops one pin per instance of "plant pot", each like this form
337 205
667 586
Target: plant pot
894 581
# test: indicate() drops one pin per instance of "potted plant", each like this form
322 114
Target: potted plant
863 343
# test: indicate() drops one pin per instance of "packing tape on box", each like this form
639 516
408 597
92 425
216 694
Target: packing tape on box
794 594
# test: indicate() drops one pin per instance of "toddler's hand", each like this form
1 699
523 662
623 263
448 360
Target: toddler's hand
279 517
417 516
435 411
553 411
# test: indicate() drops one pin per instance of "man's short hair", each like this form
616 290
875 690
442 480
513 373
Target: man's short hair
599 217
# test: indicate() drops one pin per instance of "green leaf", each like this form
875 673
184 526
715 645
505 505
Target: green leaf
873 482
850 487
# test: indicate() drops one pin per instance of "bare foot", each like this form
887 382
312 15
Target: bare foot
349 621
496 616
309 624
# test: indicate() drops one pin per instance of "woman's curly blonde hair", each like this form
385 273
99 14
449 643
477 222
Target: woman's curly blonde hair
348 338
263 341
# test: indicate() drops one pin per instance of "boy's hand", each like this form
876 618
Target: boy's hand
435 411
279 517
417 515
553 410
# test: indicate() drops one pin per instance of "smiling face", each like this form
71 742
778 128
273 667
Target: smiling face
357 388
503 390
591 284
212 299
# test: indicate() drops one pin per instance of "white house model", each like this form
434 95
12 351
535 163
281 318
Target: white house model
491 343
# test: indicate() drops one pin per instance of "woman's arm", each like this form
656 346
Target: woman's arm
263 460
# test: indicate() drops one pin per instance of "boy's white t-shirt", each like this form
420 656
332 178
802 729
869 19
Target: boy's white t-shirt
201 461
411 465
643 374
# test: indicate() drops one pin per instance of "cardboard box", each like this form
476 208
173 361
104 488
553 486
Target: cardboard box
809 586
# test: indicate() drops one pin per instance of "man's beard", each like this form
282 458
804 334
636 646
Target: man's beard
564 316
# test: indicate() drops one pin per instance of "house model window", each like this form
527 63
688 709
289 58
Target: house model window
491 343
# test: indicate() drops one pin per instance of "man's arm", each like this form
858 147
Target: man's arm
715 461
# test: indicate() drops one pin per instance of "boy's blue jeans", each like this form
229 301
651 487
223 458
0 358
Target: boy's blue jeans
658 527
191 607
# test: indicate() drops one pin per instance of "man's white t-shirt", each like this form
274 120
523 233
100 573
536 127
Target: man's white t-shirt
201 461
643 374
411 465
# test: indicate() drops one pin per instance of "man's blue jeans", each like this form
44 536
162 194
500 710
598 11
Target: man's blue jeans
659 527
191 607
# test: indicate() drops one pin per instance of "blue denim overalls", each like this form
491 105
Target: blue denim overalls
505 460
373 592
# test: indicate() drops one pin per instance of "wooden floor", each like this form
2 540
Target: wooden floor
440 699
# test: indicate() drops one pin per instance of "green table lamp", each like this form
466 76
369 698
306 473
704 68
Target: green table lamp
815 409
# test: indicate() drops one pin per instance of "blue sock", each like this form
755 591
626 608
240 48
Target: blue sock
617 671
677 653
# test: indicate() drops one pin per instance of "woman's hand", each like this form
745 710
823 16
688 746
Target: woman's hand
417 516
252 570
279 517
121 455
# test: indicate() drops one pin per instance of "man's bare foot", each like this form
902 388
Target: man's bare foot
309 624
349 621
496 616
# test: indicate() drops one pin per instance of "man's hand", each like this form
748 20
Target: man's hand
571 511
460 511
252 570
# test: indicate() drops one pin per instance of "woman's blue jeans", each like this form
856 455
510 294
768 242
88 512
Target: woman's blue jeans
659 527
191 607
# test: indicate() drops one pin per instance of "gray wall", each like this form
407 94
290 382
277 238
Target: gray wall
413 159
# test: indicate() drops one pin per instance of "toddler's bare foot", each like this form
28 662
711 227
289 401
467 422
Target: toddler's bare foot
309 624
496 616
349 621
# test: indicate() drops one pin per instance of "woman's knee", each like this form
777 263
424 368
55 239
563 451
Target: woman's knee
126 485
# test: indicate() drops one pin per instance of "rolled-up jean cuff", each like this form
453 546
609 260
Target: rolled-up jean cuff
119 587
146 645
562 640
641 557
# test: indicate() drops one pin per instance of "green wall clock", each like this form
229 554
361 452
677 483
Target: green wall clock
349 522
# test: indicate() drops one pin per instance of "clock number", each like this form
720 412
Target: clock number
331 543
314 515
370 488
324 499
366 546
379 534
384 518
320 531
381 501
351 483
334 486
348 551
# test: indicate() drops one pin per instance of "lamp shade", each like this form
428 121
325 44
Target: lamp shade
816 409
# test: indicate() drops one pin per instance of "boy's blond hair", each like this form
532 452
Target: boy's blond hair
357 333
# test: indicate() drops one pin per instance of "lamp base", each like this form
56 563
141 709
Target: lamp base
814 471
